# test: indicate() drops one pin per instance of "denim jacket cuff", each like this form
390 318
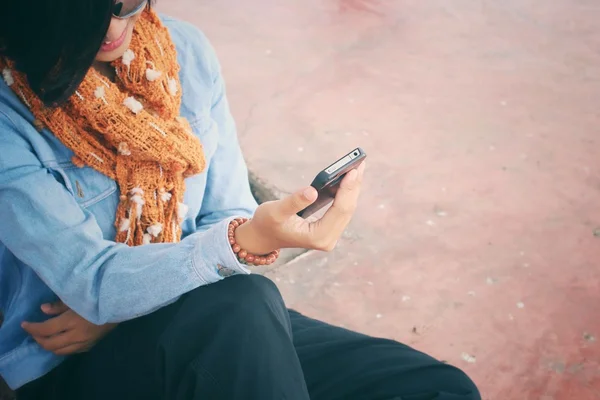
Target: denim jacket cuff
217 260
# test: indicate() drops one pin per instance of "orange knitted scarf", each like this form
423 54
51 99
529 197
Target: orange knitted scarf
130 131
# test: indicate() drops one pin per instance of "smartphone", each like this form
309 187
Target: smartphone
328 181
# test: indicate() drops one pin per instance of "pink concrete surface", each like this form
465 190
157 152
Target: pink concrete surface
474 240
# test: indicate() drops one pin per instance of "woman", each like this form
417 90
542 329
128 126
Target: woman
125 260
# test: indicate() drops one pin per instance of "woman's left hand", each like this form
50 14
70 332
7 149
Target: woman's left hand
66 333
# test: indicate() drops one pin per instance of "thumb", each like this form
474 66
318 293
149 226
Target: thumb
293 204
56 308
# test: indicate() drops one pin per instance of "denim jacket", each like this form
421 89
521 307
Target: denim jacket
57 221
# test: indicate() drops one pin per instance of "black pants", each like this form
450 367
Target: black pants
236 340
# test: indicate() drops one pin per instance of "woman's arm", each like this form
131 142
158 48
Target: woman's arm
228 192
103 281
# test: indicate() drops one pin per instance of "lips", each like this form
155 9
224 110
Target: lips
115 44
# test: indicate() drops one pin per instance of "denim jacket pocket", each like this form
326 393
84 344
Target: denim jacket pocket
87 185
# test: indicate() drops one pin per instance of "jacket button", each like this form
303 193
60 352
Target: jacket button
224 271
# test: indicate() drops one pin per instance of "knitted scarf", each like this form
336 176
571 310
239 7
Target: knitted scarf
130 131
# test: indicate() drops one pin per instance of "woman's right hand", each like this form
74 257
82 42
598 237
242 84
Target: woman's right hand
276 225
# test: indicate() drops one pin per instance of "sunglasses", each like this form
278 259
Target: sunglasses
128 8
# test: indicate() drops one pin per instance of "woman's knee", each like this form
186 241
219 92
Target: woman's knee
253 290
236 303
237 295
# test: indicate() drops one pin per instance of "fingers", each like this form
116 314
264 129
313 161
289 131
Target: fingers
54 334
294 203
51 327
60 342
329 228
73 349
55 308
346 198
278 224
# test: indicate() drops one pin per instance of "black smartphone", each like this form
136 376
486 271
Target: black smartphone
328 181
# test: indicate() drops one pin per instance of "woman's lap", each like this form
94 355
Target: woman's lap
187 349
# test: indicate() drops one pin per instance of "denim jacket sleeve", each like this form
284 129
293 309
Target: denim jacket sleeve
103 281
229 193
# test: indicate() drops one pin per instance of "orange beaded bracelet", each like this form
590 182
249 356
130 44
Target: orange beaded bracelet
243 255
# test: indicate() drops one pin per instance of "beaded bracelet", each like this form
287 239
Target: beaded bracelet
243 255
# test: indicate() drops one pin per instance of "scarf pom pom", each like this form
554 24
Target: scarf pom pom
134 105
124 150
152 74
172 86
128 57
7 75
165 197
138 200
155 229
147 239
99 92
182 211
125 225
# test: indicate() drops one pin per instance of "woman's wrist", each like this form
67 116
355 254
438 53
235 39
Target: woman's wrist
248 239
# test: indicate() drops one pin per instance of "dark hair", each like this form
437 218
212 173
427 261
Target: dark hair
53 42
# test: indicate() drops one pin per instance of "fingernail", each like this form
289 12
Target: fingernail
46 307
309 193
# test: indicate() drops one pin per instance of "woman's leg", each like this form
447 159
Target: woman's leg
228 340
340 364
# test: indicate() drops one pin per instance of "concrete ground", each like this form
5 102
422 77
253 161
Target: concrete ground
478 234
